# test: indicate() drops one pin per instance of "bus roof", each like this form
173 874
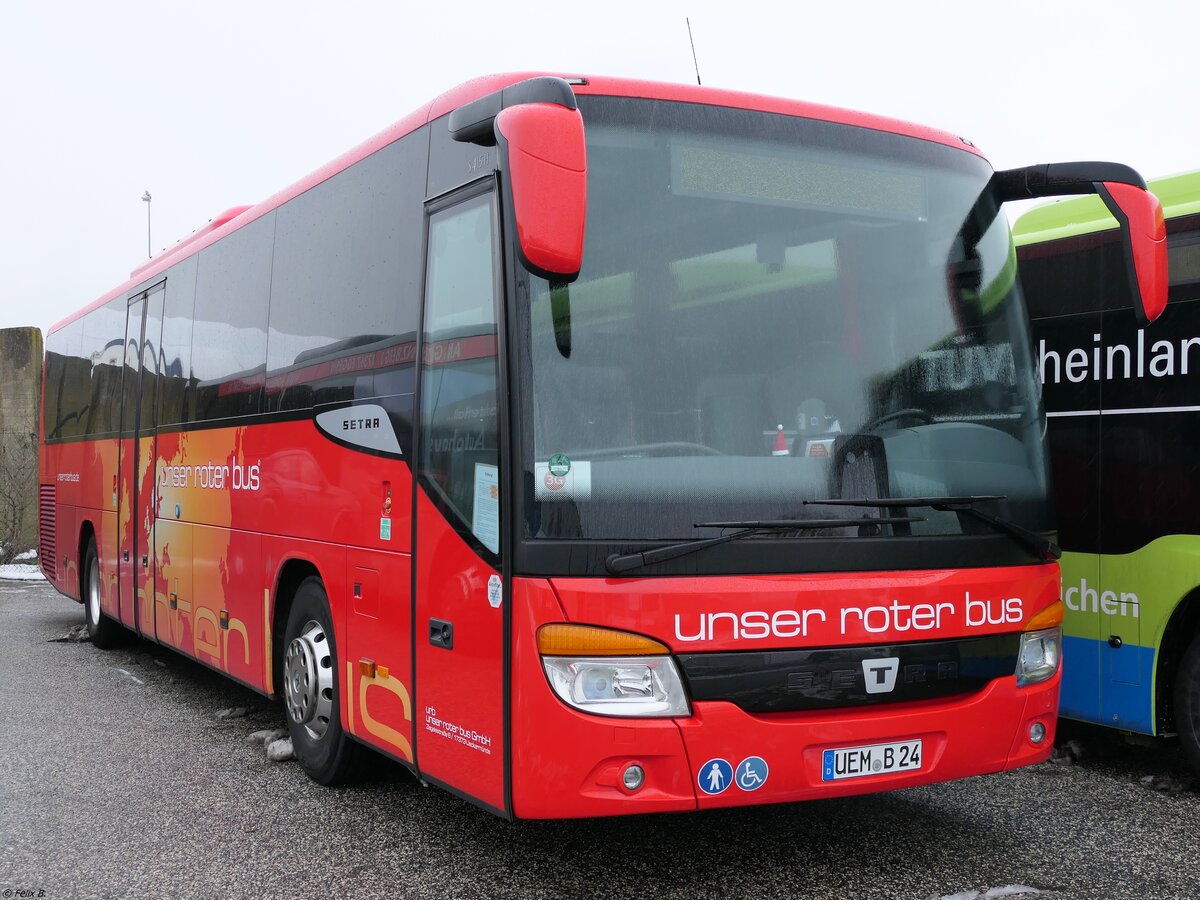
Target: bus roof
479 87
1179 194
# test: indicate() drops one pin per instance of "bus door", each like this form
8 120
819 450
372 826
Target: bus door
135 494
458 589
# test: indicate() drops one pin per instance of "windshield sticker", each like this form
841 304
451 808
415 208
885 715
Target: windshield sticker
559 465
486 520
574 484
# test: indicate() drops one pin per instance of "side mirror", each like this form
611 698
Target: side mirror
1144 235
1137 211
542 150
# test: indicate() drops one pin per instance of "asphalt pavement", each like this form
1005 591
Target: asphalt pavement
118 778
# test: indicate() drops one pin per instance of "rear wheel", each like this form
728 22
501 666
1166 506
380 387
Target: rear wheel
1187 703
102 631
310 689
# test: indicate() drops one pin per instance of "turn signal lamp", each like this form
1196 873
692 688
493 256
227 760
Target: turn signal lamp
1049 617
611 673
588 640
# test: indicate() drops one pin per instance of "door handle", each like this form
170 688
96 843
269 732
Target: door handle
126 555
1115 641
441 634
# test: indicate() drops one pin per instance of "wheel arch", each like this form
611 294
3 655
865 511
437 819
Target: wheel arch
1182 628
87 532
292 572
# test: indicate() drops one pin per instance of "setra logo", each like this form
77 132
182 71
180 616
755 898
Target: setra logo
880 674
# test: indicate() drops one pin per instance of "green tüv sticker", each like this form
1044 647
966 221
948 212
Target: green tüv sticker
559 465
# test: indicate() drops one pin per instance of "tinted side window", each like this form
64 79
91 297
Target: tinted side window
151 362
1183 258
68 384
177 392
102 339
229 337
133 362
346 283
460 455
1075 275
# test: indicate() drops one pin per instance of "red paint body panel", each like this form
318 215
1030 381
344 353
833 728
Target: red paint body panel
460 691
670 609
567 763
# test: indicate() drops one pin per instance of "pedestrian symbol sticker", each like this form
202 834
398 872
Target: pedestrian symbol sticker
715 776
752 773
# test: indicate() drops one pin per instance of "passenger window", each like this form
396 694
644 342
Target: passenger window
460 458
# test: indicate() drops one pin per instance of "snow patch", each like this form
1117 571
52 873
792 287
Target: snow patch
1166 784
73 636
1008 890
21 572
130 676
1068 754
265 737
233 712
281 750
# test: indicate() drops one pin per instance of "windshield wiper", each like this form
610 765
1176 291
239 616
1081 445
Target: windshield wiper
618 563
1040 545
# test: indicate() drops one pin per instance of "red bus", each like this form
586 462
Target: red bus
592 446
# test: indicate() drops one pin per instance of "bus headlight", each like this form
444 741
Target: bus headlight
1039 655
618 686
611 673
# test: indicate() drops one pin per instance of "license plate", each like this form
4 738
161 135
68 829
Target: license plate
874 759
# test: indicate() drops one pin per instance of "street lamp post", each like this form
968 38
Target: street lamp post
146 199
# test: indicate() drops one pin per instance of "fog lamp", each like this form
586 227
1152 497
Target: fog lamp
1037 732
633 777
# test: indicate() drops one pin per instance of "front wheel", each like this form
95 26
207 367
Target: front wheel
310 689
1187 704
102 631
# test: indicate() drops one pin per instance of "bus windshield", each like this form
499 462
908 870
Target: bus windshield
775 310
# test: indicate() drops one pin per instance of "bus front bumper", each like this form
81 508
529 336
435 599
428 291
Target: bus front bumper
569 764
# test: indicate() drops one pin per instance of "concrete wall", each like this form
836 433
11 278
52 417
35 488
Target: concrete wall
20 401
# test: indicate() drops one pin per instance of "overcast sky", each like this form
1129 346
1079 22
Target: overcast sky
209 105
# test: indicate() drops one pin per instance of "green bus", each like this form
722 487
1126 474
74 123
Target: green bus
1123 416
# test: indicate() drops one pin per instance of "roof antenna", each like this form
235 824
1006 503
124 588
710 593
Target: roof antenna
693 43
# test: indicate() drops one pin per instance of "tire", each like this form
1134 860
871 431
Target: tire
311 676
1187 704
102 631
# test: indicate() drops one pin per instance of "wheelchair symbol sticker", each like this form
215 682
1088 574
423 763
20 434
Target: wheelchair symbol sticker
751 773
715 776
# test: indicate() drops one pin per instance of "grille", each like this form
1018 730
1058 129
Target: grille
47 530
833 677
